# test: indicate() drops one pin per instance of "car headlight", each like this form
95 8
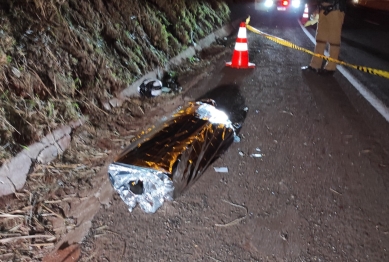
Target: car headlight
296 3
268 3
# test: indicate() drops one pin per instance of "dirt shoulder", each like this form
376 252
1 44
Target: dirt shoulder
57 67
318 193
60 198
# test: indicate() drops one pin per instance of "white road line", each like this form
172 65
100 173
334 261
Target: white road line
369 96
371 22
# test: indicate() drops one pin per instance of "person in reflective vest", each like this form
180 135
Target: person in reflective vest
329 29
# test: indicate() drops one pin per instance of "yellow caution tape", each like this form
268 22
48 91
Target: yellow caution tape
283 42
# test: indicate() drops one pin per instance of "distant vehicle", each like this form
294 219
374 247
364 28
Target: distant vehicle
295 7
382 5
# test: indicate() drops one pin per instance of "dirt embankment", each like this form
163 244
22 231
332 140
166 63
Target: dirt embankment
60 60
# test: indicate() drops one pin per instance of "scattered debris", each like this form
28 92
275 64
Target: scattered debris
16 72
170 83
334 191
221 41
221 169
150 88
155 87
287 112
366 151
6 240
284 235
166 90
236 221
214 259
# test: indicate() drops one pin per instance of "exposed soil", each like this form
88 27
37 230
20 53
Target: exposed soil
319 191
60 60
63 60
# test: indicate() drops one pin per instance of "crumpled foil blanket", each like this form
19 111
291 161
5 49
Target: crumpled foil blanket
164 161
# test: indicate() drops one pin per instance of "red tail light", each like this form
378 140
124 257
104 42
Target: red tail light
285 3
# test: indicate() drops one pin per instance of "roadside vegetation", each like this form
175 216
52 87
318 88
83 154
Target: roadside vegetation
63 60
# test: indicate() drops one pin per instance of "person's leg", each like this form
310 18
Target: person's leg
322 33
336 21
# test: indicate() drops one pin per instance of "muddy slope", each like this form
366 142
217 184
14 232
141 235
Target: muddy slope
61 60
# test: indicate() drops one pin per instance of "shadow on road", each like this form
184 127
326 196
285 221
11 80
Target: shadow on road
228 99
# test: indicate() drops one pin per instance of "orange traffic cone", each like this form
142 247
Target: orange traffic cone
240 57
305 14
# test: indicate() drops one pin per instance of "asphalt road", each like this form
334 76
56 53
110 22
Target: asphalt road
318 193
365 42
